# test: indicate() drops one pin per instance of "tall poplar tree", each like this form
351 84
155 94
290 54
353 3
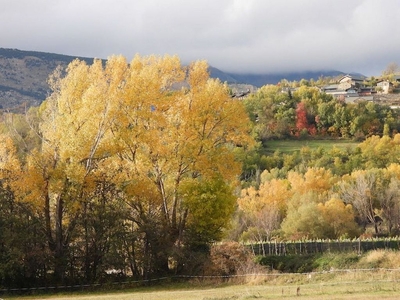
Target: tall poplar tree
124 152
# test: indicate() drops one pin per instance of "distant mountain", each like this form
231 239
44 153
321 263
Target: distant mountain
259 80
24 74
224 77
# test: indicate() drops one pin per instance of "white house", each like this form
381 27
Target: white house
384 86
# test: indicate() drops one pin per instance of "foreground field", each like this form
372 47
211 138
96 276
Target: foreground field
239 292
343 284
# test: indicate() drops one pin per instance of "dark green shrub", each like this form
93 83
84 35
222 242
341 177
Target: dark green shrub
289 263
328 261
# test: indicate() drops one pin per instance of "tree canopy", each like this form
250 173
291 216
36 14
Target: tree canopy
123 152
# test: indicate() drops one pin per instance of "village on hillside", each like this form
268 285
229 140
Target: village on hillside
348 88
352 89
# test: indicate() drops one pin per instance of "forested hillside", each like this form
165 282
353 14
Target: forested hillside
319 192
308 112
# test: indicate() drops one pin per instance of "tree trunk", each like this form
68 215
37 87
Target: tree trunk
59 255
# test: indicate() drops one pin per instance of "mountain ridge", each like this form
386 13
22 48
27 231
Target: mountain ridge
273 78
24 74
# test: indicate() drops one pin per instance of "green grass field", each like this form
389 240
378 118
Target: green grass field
289 146
361 284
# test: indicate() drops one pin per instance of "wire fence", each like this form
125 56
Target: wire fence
264 249
329 277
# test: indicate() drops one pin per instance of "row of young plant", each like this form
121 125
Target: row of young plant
303 247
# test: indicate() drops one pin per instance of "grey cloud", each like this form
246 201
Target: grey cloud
234 35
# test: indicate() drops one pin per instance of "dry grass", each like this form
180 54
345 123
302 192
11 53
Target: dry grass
242 292
381 259
359 281
377 284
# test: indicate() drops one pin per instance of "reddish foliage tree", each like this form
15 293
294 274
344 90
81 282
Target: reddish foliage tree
301 117
301 120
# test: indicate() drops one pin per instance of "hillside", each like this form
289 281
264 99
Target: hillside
24 74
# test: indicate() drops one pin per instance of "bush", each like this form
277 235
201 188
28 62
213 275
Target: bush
310 262
359 136
329 261
229 259
289 263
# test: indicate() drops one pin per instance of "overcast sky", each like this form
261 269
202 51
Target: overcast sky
244 36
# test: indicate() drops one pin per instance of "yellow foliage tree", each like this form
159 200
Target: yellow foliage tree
379 152
168 139
318 180
264 208
9 163
338 218
120 130
332 219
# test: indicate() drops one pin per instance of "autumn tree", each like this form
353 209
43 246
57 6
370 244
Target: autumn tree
390 204
123 151
303 219
380 152
391 70
316 180
177 139
264 209
389 197
22 254
309 217
338 219
302 124
59 175
272 112
361 189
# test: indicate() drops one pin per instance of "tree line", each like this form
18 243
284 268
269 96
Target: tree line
316 204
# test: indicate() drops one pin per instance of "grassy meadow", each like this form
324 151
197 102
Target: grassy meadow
372 275
290 146
361 285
